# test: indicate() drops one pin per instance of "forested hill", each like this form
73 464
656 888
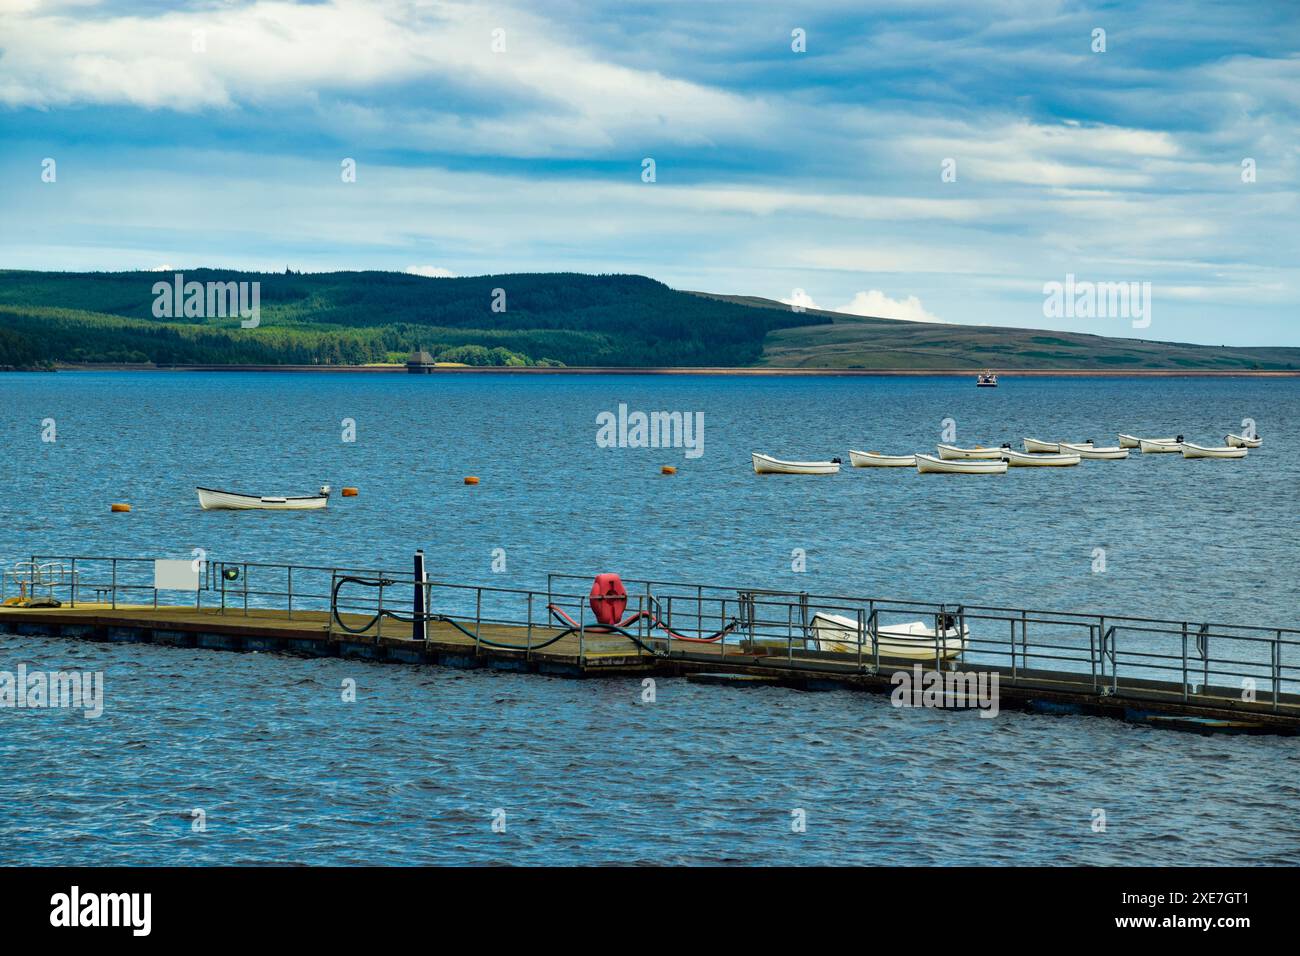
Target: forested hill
355 318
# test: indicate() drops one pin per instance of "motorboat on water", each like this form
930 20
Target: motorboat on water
915 641
1241 441
210 499
929 465
874 459
767 465
987 379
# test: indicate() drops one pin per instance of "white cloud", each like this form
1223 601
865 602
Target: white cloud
873 304
551 96
876 303
431 272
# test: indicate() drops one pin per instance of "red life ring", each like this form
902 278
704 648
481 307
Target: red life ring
608 599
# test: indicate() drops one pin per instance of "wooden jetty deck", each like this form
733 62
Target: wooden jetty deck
591 654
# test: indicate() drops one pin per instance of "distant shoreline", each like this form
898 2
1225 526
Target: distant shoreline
732 371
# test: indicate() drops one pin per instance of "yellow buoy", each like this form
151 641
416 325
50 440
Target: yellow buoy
349 492
471 480
120 507
667 470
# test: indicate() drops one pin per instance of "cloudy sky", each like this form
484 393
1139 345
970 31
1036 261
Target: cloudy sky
513 137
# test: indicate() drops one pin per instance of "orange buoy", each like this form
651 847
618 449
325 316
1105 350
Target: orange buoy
349 492
667 470
119 506
471 480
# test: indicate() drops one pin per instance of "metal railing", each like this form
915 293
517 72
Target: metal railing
810 632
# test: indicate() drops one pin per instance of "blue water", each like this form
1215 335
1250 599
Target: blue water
412 771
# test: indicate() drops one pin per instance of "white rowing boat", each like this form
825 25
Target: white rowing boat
1241 441
1200 451
929 465
1160 446
979 452
874 459
1034 445
1018 459
767 465
1093 453
1132 441
914 641
210 500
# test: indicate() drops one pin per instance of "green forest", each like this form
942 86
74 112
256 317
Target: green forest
355 318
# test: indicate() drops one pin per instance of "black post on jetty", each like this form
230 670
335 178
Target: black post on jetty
417 618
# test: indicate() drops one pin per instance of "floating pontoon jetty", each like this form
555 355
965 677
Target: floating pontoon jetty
1190 675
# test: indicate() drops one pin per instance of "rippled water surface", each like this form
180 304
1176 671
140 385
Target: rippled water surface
413 770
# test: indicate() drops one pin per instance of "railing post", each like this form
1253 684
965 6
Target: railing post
582 631
1092 653
1277 668
379 618
246 589
1184 660
875 636
862 634
1101 630
528 653
329 618
478 603
1114 661
114 591
961 629
478 613
74 582
939 620
290 585
1014 671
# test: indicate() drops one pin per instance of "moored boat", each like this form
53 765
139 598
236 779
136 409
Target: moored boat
929 465
1160 446
1093 453
210 499
1036 446
953 453
1019 459
1201 451
915 641
987 379
1241 441
874 459
767 465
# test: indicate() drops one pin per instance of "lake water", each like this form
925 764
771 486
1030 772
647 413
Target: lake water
413 770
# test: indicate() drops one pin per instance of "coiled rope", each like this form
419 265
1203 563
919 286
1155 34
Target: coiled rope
572 626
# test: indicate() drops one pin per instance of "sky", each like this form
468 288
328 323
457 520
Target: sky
929 160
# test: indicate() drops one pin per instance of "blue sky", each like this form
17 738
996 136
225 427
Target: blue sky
775 170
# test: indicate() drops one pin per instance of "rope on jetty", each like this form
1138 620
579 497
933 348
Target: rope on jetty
572 626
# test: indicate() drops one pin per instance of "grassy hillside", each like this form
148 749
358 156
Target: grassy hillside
845 341
355 318
361 317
